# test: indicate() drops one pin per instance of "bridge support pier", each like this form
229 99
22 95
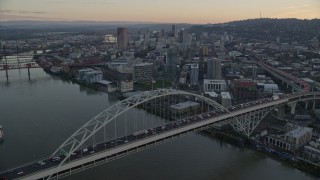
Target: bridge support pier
281 112
29 73
306 105
293 108
246 123
7 76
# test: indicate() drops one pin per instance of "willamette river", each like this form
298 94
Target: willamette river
38 115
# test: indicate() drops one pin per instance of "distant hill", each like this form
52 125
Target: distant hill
264 29
84 24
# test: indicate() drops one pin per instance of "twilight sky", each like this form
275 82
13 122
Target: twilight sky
188 11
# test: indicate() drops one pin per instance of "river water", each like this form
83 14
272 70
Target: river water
38 115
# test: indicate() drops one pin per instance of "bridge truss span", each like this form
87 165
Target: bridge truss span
243 118
89 129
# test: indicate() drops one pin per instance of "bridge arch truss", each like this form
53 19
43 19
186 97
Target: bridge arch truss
110 114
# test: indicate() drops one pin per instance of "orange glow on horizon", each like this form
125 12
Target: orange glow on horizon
165 11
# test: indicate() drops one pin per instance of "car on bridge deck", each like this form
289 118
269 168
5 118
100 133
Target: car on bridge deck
41 163
85 150
55 159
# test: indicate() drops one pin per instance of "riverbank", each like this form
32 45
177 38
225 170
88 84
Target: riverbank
289 159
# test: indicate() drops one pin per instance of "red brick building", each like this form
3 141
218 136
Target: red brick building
243 90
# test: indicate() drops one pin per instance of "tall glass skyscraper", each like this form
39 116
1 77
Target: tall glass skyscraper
214 68
171 63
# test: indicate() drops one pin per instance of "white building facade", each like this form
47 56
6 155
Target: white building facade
210 85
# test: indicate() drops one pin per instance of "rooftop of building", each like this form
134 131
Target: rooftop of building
184 105
214 81
211 94
244 84
144 64
308 80
225 95
88 70
298 132
105 82
195 65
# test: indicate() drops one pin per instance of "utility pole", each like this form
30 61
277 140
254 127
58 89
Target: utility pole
18 57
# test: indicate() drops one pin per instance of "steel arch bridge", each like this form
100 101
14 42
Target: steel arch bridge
244 121
253 113
85 132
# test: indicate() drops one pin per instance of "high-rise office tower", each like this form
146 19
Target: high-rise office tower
174 30
214 68
194 74
122 38
162 33
171 59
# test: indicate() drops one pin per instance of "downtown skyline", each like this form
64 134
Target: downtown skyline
165 11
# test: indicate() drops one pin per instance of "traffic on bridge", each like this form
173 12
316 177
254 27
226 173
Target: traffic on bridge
54 162
191 123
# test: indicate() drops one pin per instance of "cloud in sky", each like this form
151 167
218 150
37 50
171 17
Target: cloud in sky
10 11
81 2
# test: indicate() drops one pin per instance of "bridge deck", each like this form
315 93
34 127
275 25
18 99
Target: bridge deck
105 152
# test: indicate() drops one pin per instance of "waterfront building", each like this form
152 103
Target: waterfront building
299 136
292 140
312 150
106 86
90 75
278 141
